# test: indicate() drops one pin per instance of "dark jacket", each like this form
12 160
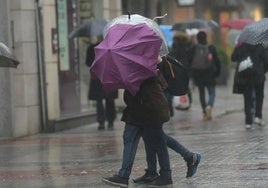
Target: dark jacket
95 87
251 76
207 77
181 48
148 107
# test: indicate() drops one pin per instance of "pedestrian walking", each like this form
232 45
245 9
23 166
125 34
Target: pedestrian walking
143 119
205 66
181 48
144 115
249 80
107 111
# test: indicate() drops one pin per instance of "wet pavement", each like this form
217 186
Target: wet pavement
231 155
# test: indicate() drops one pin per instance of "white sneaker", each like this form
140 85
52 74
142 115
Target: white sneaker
208 111
248 126
259 121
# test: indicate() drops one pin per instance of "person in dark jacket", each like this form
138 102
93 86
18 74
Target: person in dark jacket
181 48
249 80
144 116
205 79
96 92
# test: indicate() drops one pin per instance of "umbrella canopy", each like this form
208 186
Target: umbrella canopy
7 59
255 33
89 29
237 24
194 24
138 19
127 56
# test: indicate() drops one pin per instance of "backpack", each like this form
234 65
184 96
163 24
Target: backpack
202 57
176 75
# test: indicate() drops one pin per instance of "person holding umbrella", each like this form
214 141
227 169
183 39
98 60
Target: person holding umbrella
252 59
107 112
127 59
249 80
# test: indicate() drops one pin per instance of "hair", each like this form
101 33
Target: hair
201 37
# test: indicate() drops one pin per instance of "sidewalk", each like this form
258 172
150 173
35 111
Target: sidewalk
231 156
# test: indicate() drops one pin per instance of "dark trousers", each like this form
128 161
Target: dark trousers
202 95
253 102
106 113
156 145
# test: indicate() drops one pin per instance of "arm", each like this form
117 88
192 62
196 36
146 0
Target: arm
90 55
216 60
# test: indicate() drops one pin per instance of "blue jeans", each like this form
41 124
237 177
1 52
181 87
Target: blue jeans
155 144
202 95
172 144
131 137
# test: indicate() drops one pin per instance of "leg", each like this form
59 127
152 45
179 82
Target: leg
151 171
211 99
110 111
100 113
131 137
177 147
202 99
248 106
192 159
190 96
259 94
155 138
211 95
150 156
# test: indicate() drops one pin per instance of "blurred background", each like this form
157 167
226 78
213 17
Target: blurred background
48 91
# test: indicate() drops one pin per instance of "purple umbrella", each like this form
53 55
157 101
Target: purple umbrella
127 56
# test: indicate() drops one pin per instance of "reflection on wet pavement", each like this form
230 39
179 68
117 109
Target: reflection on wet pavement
231 156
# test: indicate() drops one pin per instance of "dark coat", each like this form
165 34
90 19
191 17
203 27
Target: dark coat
181 48
251 76
207 77
148 107
95 87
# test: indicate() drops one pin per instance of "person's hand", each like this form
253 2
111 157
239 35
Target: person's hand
159 60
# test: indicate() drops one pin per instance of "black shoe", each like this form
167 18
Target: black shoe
192 164
160 182
147 177
116 181
101 126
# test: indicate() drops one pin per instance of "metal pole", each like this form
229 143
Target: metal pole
41 67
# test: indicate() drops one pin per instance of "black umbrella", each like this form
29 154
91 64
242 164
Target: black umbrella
194 24
89 29
255 33
7 59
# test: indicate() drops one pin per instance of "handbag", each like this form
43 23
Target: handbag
176 75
